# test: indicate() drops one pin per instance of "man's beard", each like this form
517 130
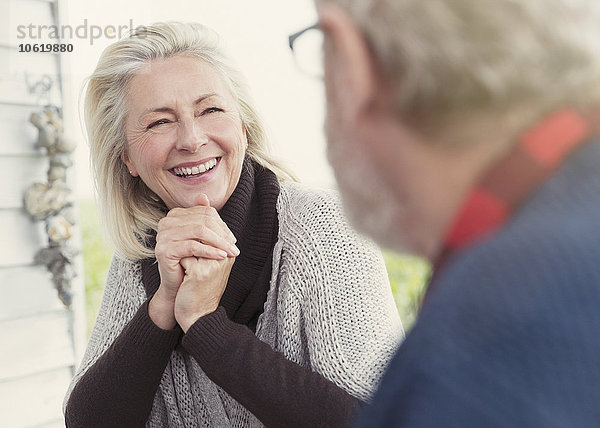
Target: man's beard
370 203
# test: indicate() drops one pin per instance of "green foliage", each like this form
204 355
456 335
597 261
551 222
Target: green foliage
96 259
408 277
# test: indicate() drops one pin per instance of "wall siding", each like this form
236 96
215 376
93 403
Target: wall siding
33 401
17 173
37 343
32 282
40 339
22 238
18 136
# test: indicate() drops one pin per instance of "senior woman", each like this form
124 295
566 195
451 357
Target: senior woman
237 297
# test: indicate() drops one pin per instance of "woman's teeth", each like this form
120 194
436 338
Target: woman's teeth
195 170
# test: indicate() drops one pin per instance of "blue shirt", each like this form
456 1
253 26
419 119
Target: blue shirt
510 336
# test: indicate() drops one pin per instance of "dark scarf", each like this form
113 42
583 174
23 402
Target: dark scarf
251 214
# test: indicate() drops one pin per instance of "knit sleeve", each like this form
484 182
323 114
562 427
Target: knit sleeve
276 390
348 318
116 382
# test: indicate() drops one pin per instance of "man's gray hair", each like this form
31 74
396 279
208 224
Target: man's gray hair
452 58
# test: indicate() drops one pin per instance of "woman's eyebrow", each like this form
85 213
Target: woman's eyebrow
171 110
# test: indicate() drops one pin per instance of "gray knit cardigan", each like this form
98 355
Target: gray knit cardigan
329 308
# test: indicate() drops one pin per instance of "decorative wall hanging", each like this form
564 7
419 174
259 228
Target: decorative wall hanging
52 202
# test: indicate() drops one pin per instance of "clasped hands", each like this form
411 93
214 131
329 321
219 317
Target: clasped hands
195 251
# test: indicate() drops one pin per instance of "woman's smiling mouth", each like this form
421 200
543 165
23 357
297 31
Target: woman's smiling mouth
196 170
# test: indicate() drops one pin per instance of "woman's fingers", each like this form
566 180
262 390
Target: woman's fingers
196 232
202 288
169 266
188 262
210 237
176 251
203 200
199 215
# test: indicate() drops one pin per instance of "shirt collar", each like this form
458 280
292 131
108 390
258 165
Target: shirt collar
510 182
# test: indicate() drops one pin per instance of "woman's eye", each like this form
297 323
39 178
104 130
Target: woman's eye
212 110
156 123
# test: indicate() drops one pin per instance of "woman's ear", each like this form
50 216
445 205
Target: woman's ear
245 136
130 166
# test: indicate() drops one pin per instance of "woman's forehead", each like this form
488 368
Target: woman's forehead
176 80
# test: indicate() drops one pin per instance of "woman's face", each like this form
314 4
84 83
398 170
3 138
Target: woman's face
184 132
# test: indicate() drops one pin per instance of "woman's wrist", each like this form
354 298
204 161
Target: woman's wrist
190 320
162 311
186 324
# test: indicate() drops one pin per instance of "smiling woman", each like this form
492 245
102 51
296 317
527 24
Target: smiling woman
237 297
193 142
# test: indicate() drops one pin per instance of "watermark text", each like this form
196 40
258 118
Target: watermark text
83 31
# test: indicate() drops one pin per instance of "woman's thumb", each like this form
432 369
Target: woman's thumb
202 200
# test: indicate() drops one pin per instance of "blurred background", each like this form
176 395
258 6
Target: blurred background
54 260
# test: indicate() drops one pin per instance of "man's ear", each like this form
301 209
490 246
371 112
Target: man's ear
351 75
127 161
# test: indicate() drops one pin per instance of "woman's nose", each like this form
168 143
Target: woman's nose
190 136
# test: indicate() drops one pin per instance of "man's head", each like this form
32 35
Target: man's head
423 95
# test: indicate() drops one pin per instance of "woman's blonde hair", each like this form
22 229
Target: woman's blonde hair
129 210
454 58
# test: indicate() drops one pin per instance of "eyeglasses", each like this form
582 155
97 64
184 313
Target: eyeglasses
308 50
